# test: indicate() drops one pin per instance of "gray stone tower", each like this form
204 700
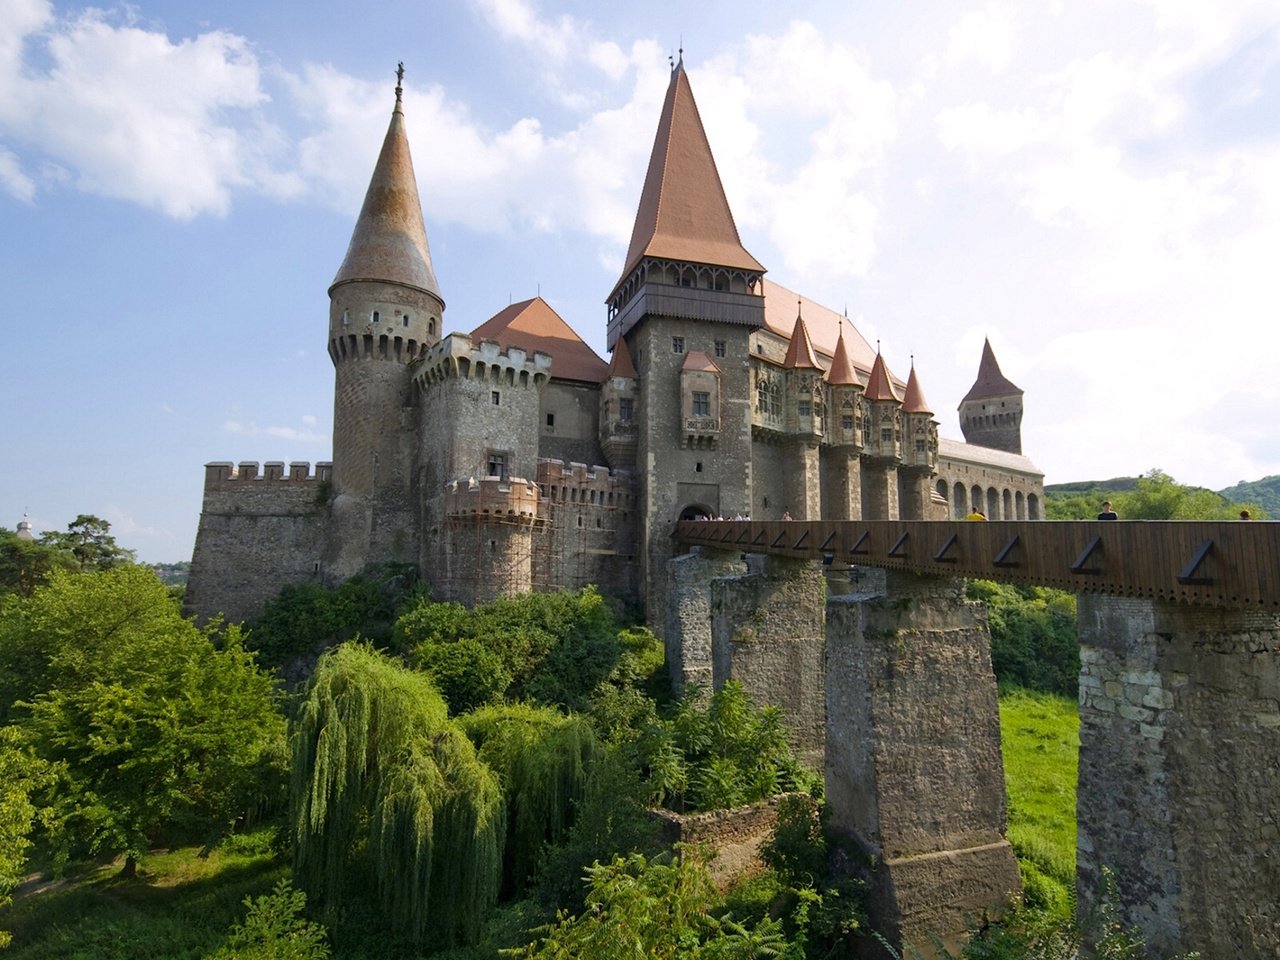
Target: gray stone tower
991 412
686 303
385 311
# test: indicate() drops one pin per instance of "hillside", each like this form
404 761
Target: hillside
1264 492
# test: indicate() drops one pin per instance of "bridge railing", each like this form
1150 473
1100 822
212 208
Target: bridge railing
1235 564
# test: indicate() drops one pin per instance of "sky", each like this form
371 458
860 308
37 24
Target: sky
1094 186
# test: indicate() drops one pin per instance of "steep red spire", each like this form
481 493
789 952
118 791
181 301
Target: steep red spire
620 364
991 382
914 401
800 355
880 384
390 240
683 213
842 373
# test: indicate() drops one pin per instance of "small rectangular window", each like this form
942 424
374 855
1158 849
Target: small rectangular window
497 465
805 408
919 446
677 344
846 423
496 397
701 404
720 348
551 419
886 434
626 409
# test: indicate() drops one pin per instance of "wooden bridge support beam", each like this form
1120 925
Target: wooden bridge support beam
913 765
767 634
1179 790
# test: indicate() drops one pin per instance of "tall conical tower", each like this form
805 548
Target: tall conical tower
385 310
686 303
991 412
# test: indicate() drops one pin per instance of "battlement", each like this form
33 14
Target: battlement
495 498
577 483
458 357
224 474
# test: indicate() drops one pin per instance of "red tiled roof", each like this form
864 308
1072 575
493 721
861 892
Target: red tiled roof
841 373
800 350
991 382
533 325
914 401
823 323
683 212
620 364
390 241
879 383
697 360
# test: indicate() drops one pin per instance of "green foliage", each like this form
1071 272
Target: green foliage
1153 496
542 759
275 929
644 908
158 731
722 755
25 564
21 773
306 617
552 648
1033 636
1265 493
89 542
384 784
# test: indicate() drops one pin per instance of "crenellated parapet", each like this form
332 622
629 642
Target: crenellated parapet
578 484
225 475
494 499
457 357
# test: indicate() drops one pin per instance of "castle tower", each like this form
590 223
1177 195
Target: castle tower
805 415
618 396
919 452
881 445
847 413
991 412
385 311
688 287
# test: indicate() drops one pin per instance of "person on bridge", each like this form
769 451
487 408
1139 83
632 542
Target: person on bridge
1107 513
976 515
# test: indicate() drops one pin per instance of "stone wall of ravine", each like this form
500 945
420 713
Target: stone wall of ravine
687 627
735 835
767 634
574 437
673 475
1180 771
255 537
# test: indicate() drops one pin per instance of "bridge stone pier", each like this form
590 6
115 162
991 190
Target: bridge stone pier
688 627
914 772
1179 790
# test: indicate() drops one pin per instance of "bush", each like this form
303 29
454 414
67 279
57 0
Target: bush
1033 636
274 929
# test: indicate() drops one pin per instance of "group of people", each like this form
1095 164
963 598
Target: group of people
736 516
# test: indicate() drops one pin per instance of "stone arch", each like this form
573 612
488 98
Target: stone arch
1033 507
693 511
1006 505
960 501
976 499
1020 505
993 503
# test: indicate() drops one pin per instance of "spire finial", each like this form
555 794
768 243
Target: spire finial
913 361
877 346
399 80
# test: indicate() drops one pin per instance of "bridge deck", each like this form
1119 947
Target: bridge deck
1234 564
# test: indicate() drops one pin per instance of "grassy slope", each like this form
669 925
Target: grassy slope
1041 741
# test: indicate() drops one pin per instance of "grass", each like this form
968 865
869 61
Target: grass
180 907
1040 734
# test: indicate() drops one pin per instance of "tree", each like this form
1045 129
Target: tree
25 564
21 773
88 539
159 731
384 786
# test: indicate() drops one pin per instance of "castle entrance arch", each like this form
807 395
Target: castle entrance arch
697 511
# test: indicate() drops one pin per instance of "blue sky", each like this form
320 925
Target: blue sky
1093 185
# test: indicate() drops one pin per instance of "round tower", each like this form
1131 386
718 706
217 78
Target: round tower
385 311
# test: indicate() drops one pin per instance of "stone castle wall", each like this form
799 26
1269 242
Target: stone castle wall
589 533
260 531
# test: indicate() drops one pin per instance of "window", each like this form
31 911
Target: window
551 419
760 348
805 409
496 397
677 344
431 325
719 348
346 318
846 423
497 465
701 404
626 409
697 467
374 317
406 319
919 446
885 434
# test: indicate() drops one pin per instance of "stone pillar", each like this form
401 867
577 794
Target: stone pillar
879 490
801 483
1179 788
915 778
688 621
767 634
846 486
916 494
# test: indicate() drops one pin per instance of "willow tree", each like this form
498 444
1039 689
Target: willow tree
543 759
382 781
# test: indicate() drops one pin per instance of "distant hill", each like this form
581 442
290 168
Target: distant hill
1083 488
1265 493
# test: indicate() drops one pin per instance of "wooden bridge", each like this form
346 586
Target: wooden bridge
1226 564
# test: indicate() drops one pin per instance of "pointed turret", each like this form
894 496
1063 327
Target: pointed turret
684 233
800 355
920 449
389 242
879 383
620 364
842 373
618 396
991 412
914 401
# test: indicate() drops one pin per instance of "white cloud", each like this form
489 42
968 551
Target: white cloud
123 524
305 435
986 36
13 180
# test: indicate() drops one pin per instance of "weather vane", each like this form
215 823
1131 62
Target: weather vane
399 79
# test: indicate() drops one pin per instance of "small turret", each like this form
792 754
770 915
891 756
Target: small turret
847 410
991 412
619 395
882 436
804 384
920 447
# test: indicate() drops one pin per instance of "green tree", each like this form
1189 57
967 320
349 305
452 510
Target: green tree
88 539
387 789
21 773
25 564
275 929
159 731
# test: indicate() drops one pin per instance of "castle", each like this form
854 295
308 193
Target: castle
513 457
